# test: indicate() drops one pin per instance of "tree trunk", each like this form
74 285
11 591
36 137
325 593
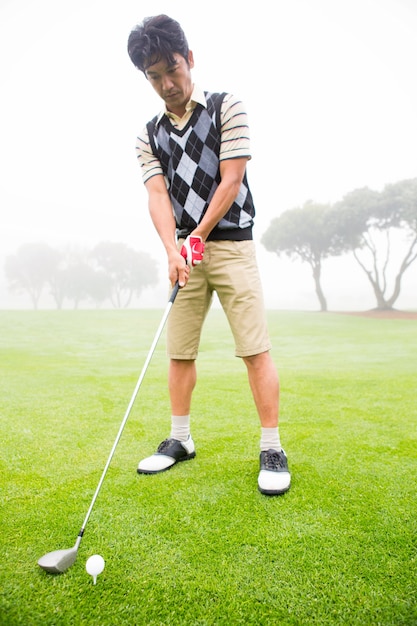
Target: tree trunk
381 303
409 258
319 290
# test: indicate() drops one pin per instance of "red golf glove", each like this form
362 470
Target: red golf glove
192 250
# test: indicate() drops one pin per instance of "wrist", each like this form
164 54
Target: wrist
199 233
171 249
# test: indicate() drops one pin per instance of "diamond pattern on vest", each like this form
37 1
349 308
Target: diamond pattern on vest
190 161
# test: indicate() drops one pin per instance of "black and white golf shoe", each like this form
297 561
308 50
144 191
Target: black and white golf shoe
274 476
169 452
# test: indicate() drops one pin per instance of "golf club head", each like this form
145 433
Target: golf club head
58 561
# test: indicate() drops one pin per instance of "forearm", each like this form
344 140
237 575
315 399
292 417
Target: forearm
163 220
221 202
231 173
160 209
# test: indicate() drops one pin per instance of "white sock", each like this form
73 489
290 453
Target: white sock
180 427
270 439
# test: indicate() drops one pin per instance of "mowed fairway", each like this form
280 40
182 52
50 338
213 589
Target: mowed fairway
199 545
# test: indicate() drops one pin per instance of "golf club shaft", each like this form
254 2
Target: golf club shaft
130 405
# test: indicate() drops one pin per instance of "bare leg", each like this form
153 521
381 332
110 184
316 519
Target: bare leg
181 382
264 383
274 477
182 378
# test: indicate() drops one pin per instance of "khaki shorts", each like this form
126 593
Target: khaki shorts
230 269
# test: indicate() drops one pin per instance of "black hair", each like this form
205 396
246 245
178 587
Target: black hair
156 38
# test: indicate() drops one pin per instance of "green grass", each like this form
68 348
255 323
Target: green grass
199 545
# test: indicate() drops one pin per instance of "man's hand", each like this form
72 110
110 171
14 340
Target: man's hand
193 250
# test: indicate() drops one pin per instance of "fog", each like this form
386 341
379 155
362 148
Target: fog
331 95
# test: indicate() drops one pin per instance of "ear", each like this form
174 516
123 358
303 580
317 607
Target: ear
190 59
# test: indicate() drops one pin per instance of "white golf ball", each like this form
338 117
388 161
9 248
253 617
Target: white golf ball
94 566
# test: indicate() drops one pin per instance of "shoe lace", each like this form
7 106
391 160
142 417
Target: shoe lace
274 460
164 445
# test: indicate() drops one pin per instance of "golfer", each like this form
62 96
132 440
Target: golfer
193 158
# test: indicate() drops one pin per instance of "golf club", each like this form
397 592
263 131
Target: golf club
59 561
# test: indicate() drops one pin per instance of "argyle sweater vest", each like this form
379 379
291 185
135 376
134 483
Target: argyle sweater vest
191 165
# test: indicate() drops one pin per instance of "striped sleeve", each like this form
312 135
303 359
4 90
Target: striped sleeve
235 139
149 164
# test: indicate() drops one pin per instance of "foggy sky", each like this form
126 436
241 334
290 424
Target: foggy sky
330 90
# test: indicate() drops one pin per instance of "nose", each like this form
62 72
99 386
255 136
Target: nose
167 83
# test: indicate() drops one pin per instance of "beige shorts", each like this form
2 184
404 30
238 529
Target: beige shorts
229 268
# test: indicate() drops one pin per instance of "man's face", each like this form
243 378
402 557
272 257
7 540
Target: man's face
172 83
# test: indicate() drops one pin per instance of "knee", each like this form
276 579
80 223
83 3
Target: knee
182 363
257 361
